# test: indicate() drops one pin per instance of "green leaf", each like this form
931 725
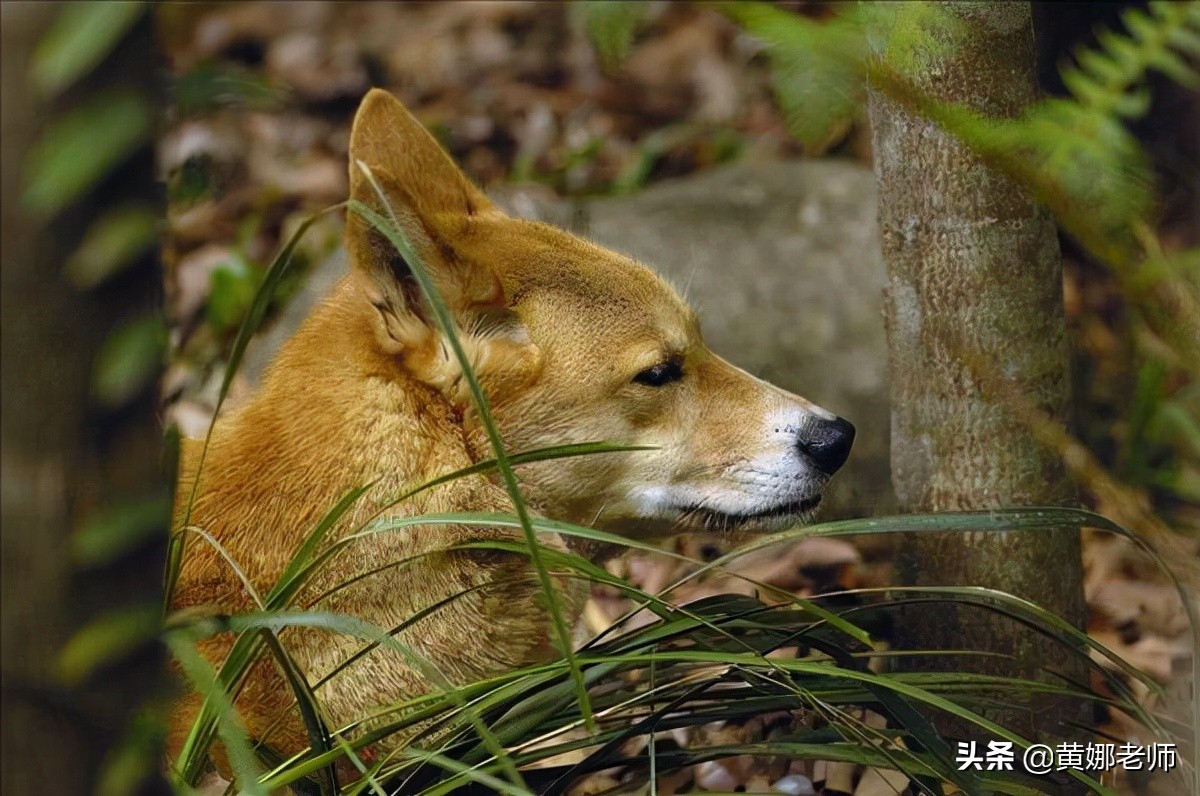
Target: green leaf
232 287
911 34
1140 25
128 361
262 301
1099 66
1174 422
1191 10
109 535
319 739
106 641
192 182
80 147
1123 50
1133 104
816 66
228 723
209 87
1175 67
1087 90
612 24
137 756
79 39
1186 40
114 240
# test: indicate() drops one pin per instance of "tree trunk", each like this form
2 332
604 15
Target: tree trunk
974 300
62 458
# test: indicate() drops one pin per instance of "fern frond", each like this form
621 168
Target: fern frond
1110 79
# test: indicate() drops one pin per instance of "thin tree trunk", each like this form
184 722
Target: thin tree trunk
62 458
975 296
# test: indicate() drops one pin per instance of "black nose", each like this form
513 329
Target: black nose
827 443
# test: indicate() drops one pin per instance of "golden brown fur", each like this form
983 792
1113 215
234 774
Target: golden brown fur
366 391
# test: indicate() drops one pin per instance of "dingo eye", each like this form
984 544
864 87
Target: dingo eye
660 374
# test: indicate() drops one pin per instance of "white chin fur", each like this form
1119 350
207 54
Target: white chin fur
775 490
780 509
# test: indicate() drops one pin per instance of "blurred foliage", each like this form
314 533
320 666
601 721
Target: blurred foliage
232 292
137 751
193 182
612 24
118 531
234 284
81 37
107 641
129 361
82 146
81 176
814 66
719 145
76 152
208 86
114 241
1076 154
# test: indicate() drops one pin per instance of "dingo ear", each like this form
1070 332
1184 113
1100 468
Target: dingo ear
433 203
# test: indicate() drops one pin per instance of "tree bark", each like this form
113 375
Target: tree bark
974 300
62 458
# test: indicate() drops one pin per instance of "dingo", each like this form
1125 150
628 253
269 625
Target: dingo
571 342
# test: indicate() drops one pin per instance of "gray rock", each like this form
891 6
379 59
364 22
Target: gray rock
783 262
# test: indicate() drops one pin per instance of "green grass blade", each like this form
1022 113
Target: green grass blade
234 566
478 777
229 726
517 459
218 699
319 738
359 628
293 578
275 273
250 324
244 650
392 231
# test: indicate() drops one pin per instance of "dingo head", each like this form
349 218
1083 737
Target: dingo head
575 343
